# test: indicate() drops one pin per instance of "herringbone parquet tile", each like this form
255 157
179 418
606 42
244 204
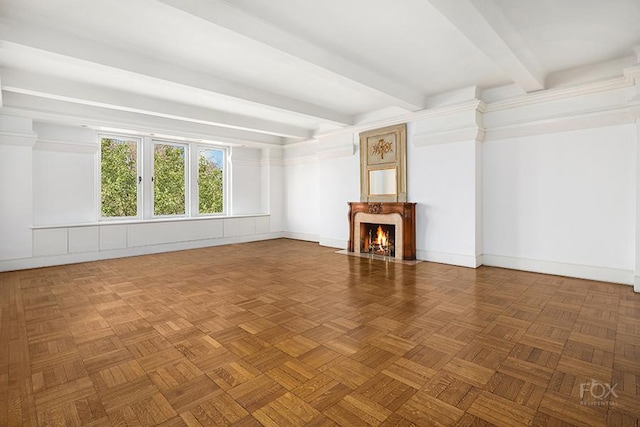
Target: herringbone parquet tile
282 333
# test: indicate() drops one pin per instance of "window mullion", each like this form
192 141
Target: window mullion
147 173
193 179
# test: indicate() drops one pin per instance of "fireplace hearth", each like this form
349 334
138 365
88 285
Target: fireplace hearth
396 222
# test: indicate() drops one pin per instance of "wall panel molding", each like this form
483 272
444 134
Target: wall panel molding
65 147
561 269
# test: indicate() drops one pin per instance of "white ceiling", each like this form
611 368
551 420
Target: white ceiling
285 70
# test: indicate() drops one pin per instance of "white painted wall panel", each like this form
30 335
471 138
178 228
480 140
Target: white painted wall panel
246 181
302 181
64 187
169 232
234 227
441 179
84 239
262 224
16 201
47 242
113 237
565 197
339 183
276 198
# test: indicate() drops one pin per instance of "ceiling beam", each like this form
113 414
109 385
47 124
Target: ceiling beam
36 84
301 52
484 25
74 50
63 112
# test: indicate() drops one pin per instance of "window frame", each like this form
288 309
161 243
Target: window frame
226 188
187 187
145 177
139 176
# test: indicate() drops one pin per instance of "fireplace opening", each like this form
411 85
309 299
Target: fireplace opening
378 239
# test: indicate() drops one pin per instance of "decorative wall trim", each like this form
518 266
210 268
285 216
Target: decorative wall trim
45 109
411 117
46 261
449 258
619 114
308 237
561 269
633 73
556 94
246 162
636 284
561 123
335 152
272 163
333 243
448 136
65 147
309 158
22 139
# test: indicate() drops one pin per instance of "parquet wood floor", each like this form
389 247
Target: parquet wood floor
282 332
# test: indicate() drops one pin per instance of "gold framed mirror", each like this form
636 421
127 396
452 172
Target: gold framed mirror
383 164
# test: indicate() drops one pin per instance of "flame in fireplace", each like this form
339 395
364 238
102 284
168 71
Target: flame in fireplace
381 238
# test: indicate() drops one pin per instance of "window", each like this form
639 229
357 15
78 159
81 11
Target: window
145 178
169 183
119 177
210 181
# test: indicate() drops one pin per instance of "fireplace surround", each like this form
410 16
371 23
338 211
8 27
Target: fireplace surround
400 214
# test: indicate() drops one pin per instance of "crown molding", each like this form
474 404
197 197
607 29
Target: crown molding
632 73
475 104
625 81
22 139
562 123
271 162
448 136
565 121
300 160
46 144
246 162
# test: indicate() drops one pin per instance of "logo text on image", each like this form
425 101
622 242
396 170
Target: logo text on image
598 390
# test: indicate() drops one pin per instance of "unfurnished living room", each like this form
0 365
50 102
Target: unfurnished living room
320 213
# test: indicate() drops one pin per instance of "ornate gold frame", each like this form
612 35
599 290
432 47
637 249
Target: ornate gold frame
383 155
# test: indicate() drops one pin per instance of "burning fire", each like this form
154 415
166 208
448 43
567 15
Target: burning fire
381 238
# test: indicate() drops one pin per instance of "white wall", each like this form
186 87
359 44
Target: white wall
16 190
301 189
543 182
16 201
64 187
247 186
563 198
273 197
49 202
338 183
441 180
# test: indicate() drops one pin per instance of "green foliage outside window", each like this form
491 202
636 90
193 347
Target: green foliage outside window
119 172
169 180
119 179
210 181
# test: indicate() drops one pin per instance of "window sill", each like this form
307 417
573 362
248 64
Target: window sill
145 221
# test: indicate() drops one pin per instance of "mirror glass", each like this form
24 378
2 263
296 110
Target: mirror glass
382 181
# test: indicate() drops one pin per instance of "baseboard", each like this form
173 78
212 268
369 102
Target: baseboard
602 274
636 284
449 258
301 236
37 262
333 243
